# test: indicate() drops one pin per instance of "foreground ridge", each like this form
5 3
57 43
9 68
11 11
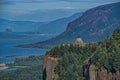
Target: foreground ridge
93 61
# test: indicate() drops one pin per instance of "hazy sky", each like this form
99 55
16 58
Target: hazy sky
26 6
51 4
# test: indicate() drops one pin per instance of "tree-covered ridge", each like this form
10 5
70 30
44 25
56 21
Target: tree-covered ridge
107 53
71 58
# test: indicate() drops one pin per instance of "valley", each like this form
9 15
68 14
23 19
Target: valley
83 46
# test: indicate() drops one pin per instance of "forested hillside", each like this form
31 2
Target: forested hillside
74 61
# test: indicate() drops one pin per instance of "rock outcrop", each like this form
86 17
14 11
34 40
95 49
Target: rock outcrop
48 68
94 61
100 74
90 71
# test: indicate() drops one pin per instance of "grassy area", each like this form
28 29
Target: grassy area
29 68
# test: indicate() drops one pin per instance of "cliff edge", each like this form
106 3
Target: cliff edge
93 61
48 68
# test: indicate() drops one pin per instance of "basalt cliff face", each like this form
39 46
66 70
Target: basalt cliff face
91 61
48 68
90 72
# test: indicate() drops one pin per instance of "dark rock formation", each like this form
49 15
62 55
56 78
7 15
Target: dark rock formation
100 74
91 72
48 68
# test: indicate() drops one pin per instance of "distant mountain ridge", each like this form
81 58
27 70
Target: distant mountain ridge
59 25
38 27
94 25
19 26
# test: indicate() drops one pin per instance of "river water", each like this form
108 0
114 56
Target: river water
8 51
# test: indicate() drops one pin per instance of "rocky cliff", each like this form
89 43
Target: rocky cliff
48 68
93 61
91 72
101 74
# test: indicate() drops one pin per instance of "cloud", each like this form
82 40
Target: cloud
16 12
19 1
40 1
103 1
68 7
79 0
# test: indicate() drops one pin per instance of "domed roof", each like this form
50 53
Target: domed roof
79 41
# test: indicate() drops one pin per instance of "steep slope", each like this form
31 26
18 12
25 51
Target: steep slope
94 25
59 25
89 61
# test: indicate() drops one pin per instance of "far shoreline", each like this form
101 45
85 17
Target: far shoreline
3 66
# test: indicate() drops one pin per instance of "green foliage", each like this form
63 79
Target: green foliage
107 53
72 58
30 61
116 35
33 71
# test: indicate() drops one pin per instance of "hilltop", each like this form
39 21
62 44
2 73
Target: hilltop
93 61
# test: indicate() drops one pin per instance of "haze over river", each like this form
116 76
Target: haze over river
8 51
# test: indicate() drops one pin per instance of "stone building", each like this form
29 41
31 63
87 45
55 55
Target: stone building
79 41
